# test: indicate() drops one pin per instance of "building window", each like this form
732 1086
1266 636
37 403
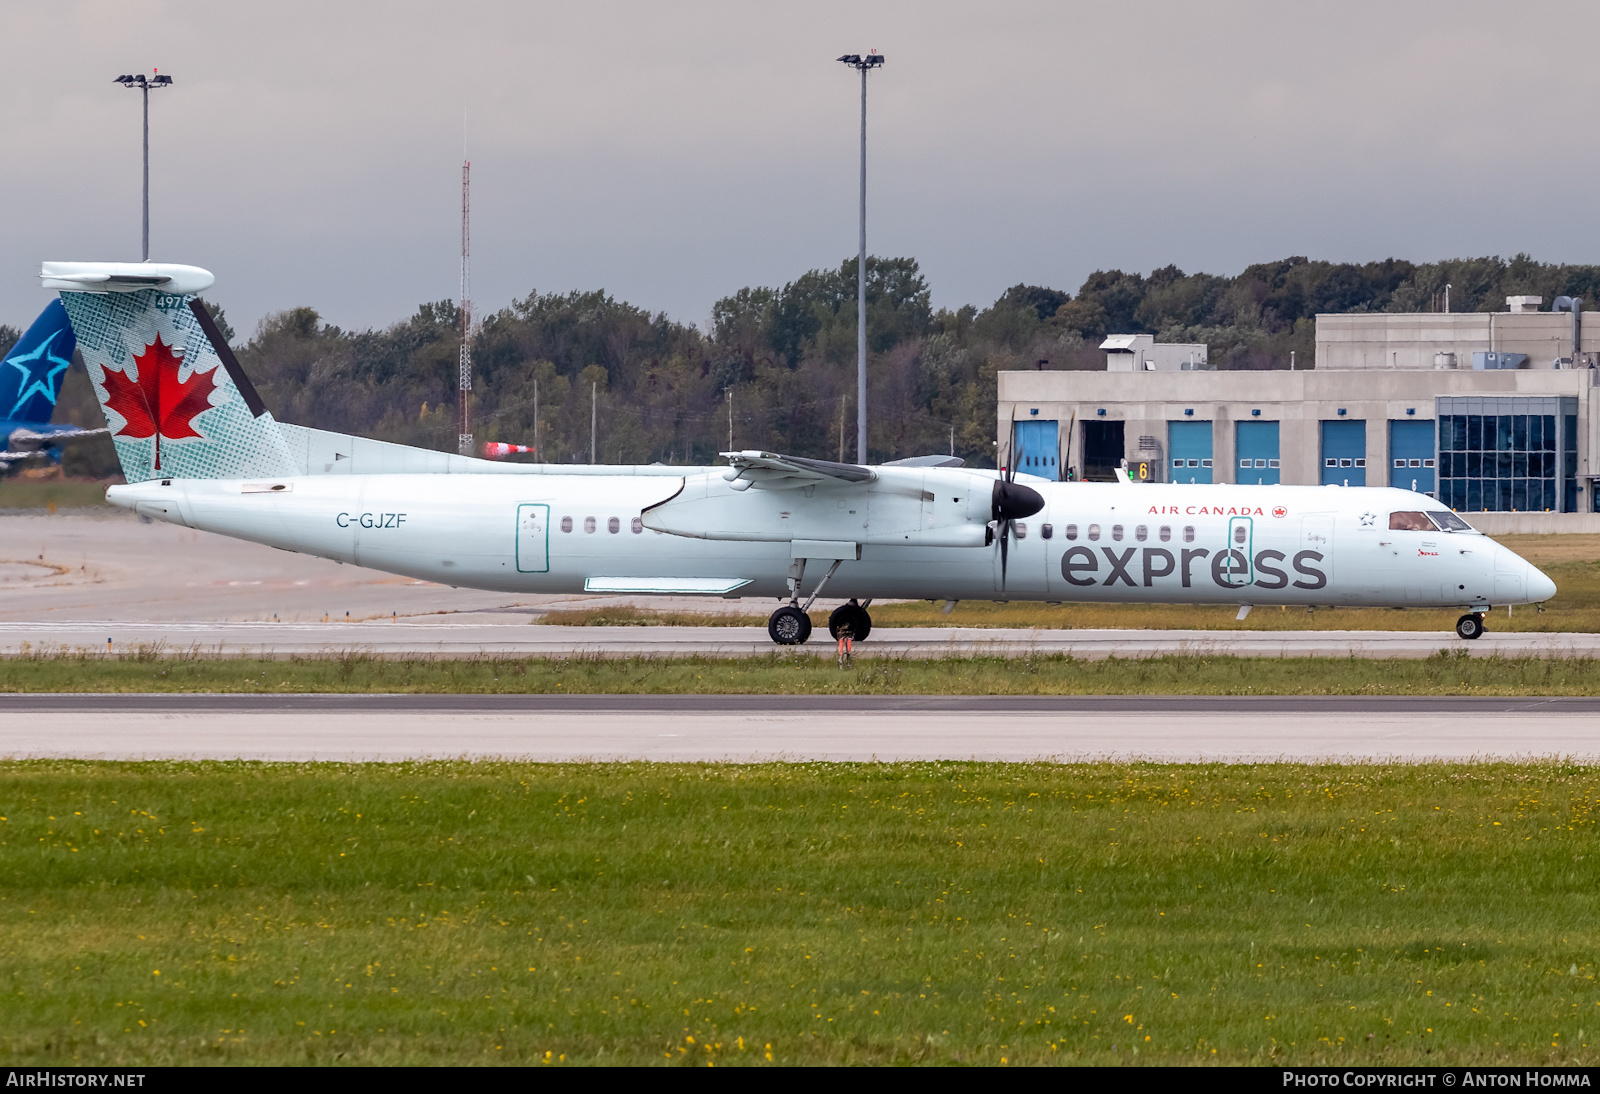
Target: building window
1274 463
566 524
588 524
1205 463
1504 463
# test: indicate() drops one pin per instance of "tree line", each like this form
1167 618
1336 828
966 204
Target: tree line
776 366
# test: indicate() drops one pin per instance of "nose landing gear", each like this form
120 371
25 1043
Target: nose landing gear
1470 626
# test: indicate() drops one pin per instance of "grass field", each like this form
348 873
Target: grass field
1449 672
50 495
942 912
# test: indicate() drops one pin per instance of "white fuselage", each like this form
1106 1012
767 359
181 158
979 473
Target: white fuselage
1092 542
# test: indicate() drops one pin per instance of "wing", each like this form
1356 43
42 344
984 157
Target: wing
771 471
33 440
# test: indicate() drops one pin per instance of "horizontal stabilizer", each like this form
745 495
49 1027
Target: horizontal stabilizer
31 440
105 277
928 461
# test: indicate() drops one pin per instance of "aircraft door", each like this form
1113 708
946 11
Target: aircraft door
1238 569
1312 564
533 539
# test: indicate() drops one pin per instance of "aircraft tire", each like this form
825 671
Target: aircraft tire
853 614
789 626
1470 626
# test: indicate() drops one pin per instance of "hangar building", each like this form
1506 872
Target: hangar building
1489 412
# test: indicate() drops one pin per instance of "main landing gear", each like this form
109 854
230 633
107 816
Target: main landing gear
1470 626
852 617
791 626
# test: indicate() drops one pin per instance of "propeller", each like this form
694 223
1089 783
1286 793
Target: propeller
1009 502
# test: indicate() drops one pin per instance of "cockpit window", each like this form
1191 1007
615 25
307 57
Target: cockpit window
1410 522
1449 522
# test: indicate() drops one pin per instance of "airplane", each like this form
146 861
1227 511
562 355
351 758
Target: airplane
199 448
30 383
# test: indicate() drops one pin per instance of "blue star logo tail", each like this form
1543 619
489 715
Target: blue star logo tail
39 369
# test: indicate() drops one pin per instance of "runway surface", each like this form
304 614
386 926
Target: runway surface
467 639
753 728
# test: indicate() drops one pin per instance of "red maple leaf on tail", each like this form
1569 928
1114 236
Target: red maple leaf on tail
157 396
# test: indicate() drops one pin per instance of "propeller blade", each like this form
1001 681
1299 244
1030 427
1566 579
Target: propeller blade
1005 543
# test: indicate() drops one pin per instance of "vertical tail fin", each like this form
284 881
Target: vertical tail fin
31 374
176 402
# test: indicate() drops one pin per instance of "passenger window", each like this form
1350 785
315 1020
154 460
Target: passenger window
613 526
1071 531
1141 533
588 524
566 524
1188 533
1166 533
1410 522
638 525
1094 532
1116 532
1020 529
1239 534
1046 531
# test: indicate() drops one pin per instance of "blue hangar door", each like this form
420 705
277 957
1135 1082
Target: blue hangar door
1037 450
1344 452
1411 455
1258 454
1189 451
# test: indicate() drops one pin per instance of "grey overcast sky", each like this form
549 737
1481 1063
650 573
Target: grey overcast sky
671 153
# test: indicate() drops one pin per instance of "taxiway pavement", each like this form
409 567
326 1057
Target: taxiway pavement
755 728
519 638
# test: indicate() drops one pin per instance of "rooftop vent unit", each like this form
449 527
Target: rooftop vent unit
1483 360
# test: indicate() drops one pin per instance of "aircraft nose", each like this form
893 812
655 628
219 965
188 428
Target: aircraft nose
1540 587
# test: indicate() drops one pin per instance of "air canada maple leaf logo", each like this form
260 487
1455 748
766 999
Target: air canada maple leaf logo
156 398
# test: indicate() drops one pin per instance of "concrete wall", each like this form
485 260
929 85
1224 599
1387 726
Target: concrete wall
1519 524
1146 402
1410 340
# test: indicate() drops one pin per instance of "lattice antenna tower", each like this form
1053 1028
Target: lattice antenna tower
464 404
